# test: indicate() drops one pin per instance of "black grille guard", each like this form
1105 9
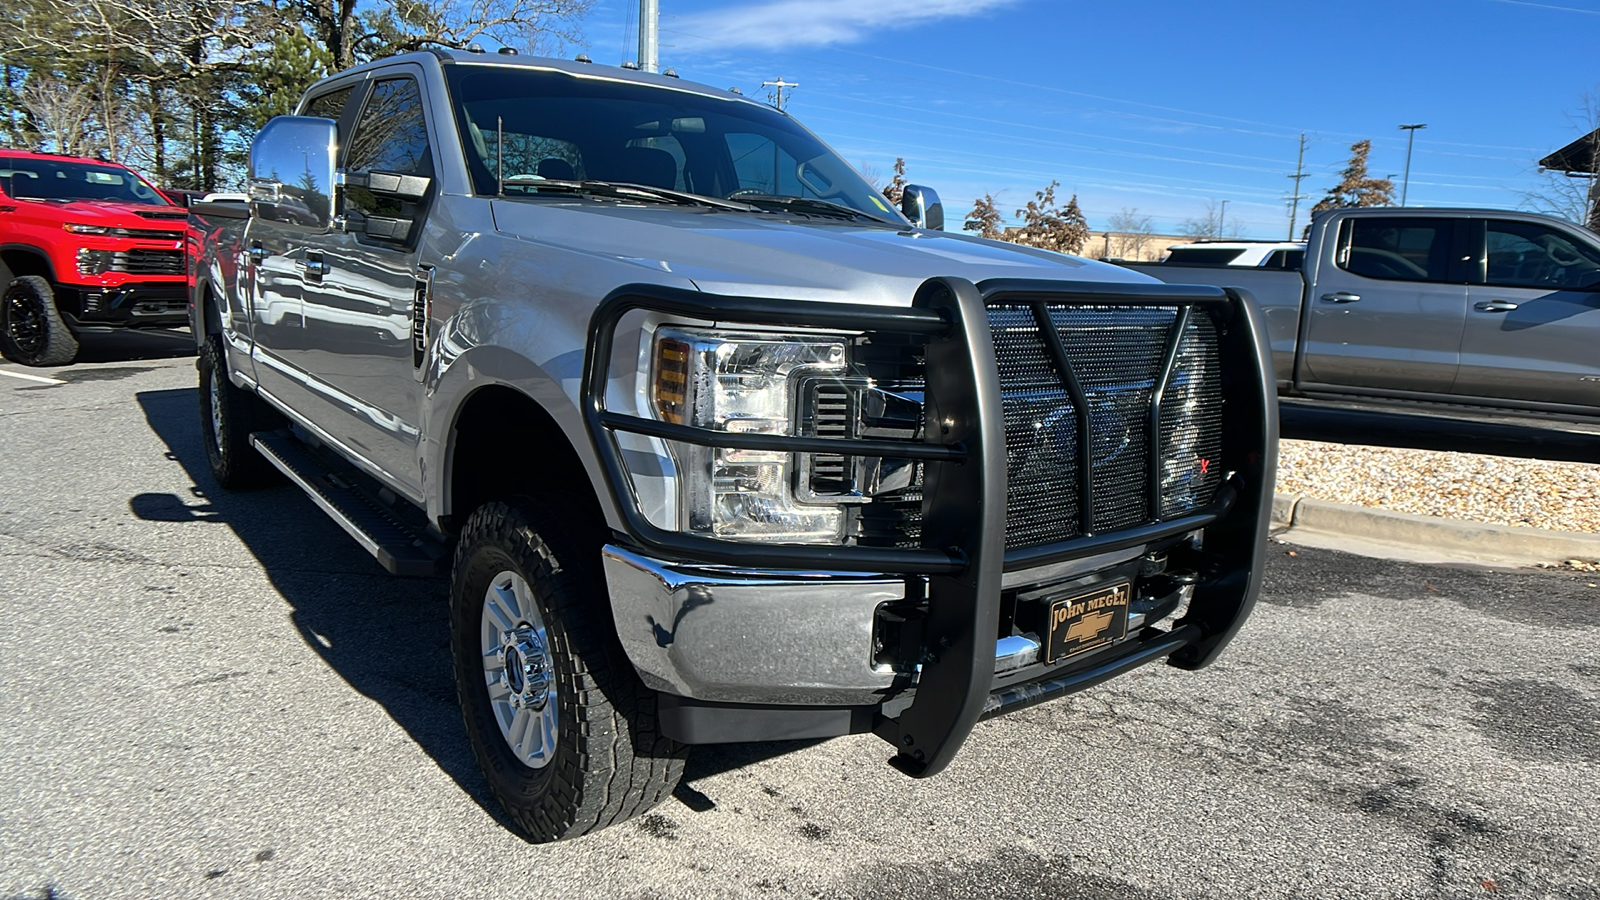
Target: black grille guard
963 555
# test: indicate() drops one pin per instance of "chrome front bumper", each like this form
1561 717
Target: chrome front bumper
795 638
723 634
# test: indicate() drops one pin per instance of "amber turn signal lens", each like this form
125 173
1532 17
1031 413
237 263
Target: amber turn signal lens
672 380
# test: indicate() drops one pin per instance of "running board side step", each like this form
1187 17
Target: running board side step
397 546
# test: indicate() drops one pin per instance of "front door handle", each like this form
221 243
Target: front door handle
315 266
1340 297
258 253
1495 306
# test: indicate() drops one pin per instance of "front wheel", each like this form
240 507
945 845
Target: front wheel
32 331
562 727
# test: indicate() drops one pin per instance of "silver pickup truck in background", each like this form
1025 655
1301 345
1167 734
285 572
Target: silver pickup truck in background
1489 308
716 445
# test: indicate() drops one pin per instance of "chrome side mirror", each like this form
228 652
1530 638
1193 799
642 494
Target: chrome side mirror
292 171
921 205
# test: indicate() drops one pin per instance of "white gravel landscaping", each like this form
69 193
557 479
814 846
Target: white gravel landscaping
1499 490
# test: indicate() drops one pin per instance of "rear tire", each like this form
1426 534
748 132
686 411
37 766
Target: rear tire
228 416
527 587
32 331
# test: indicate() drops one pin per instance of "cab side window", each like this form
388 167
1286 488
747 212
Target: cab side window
1523 254
1397 249
390 136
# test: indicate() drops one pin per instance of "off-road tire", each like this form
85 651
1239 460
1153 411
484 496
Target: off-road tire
225 430
32 331
610 762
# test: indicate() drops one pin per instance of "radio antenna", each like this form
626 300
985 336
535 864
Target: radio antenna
500 153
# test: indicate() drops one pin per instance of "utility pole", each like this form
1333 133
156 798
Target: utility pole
649 35
1222 221
778 87
1411 135
777 94
1298 176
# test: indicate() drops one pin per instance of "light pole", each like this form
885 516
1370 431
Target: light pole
1222 221
649 34
1411 135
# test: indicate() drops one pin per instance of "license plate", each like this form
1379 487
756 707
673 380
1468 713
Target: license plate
1088 621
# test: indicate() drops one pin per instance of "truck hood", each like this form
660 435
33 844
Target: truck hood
775 255
122 215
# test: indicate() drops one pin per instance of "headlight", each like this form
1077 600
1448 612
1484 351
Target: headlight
745 383
93 262
75 228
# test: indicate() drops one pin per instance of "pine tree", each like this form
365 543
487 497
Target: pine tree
1050 227
984 219
897 185
1355 187
1074 228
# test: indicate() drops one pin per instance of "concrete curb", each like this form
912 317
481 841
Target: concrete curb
1471 541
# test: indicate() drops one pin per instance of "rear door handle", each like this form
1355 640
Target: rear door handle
1340 297
1495 306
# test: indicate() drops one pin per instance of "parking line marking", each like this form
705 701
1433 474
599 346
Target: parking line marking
25 377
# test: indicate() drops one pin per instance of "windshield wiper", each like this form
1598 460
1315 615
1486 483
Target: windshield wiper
622 189
813 206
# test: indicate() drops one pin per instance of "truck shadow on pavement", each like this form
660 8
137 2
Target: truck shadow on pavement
128 345
387 636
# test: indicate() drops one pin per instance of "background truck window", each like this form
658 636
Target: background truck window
1202 256
1522 254
1397 249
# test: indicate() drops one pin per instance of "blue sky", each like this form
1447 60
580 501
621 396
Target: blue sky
1159 106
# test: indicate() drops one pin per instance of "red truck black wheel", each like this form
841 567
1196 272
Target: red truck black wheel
32 331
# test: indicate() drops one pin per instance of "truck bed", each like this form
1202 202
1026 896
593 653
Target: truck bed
1278 291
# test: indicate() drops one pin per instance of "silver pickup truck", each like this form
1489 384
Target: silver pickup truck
1489 308
716 445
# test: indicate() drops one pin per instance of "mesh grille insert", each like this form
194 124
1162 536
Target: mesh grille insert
1117 354
1191 422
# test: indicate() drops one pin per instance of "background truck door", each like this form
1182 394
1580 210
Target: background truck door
1533 324
1383 310
360 287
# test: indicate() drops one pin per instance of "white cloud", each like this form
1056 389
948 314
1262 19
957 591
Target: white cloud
783 24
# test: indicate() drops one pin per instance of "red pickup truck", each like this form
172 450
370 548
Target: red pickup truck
84 246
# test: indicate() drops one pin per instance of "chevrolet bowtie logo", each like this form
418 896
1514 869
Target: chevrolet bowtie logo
1089 627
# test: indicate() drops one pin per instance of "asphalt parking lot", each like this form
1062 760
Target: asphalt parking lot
211 694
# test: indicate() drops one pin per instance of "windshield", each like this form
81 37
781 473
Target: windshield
559 127
53 179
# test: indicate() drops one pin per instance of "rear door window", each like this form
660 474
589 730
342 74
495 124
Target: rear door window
1523 254
1395 249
